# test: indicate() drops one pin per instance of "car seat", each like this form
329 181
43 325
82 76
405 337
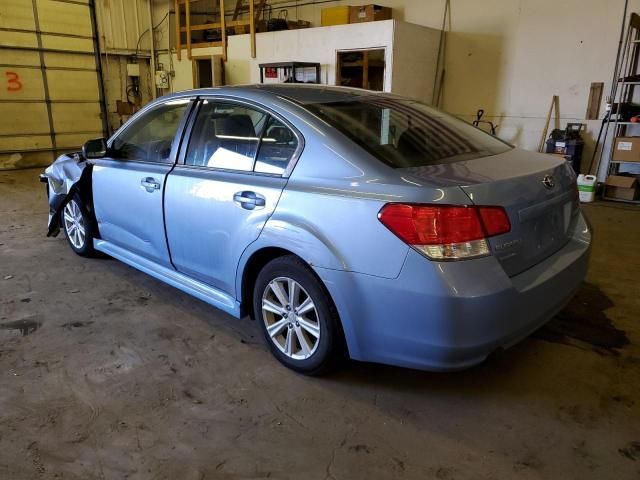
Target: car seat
237 134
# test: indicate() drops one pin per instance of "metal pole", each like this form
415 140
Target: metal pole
252 29
45 81
153 53
98 59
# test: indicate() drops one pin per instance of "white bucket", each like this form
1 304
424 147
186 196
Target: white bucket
587 187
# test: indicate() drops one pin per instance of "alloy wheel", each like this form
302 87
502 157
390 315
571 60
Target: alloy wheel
291 318
74 224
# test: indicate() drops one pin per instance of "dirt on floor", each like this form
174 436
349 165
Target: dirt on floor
107 373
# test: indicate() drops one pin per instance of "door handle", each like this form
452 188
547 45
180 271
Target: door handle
249 200
150 184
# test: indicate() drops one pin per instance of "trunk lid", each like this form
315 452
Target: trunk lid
537 191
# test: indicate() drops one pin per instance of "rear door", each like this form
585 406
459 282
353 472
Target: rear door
226 186
128 185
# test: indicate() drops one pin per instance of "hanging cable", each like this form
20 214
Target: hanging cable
143 33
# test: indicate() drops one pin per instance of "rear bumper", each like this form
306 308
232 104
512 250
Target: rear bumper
449 316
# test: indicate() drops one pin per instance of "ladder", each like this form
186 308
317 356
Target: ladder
222 24
618 119
239 8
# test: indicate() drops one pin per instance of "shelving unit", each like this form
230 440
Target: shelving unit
623 93
290 69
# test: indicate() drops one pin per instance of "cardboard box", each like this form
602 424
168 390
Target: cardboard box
334 16
627 149
369 13
624 187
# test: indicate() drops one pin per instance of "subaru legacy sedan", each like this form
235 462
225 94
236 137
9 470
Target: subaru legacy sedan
345 222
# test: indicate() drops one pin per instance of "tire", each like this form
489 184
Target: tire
78 227
307 336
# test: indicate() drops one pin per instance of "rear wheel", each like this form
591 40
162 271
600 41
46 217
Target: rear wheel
297 317
77 227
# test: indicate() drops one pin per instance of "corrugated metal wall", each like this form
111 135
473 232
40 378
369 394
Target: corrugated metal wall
123 27
50 92
121 24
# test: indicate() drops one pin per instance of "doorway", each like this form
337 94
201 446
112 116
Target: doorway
361 69
202 72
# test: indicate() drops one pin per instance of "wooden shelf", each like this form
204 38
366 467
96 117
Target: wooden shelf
221 25
204 26
216 25
612 199
359 69
360 64
206 44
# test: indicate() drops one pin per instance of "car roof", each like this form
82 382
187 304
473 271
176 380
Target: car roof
300 93
306 94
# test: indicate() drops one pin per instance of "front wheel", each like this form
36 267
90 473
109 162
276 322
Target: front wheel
297 317
77 227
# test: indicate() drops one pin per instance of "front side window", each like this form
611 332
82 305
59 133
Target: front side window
150 137
226 136
405 133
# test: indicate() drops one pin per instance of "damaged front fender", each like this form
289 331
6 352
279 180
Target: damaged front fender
67 175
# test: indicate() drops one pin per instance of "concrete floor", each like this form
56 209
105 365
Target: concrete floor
129 378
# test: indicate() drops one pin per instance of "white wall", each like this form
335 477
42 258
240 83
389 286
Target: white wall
415 52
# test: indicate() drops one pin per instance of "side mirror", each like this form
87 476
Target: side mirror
94 148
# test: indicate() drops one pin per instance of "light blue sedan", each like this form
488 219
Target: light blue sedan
345 222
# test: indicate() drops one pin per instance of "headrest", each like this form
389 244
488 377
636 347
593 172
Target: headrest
239 125
280 134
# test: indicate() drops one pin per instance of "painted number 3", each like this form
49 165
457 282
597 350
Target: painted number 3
13 82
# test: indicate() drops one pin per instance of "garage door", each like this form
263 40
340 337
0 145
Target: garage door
50 92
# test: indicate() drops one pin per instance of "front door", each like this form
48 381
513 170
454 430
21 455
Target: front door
128 184
219 198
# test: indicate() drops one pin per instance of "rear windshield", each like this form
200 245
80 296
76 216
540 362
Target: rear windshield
405 133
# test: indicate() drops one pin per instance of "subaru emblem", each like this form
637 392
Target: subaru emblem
548 181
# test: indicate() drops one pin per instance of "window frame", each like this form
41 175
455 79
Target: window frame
188 133
179 135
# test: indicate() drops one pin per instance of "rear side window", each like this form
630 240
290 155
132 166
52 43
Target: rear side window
231 136
404 133
277 147
225 136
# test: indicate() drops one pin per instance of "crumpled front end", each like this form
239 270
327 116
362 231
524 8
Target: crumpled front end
67 175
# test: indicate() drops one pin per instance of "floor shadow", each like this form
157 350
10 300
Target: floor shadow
584 323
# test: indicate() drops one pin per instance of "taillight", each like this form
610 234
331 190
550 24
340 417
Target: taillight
495 220
445 232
